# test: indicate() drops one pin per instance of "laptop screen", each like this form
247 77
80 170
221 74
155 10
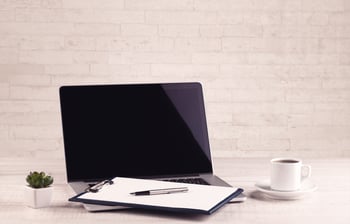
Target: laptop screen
134 130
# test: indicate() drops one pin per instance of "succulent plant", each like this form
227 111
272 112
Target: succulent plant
39 180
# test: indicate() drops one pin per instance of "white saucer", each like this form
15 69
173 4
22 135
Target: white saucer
306 187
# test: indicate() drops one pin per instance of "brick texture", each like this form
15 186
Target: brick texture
276 73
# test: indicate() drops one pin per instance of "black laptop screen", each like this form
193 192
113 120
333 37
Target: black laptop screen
134 130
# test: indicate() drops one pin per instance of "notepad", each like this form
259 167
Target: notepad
198 199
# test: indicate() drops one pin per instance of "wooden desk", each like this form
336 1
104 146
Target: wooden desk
329 204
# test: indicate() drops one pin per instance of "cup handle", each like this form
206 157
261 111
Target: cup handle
305 172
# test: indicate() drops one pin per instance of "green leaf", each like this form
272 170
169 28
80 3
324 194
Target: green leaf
39 180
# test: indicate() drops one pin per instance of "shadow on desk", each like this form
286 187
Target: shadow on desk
135 212
161 214
257 195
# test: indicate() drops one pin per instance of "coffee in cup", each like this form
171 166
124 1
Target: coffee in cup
287 174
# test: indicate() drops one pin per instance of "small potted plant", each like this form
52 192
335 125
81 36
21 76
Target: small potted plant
38 191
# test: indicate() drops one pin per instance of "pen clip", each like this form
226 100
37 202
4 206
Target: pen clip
98 186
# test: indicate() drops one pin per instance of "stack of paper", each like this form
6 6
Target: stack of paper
198 199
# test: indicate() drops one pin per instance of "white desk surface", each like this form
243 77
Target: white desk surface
329 204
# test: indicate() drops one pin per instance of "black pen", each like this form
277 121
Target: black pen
161 191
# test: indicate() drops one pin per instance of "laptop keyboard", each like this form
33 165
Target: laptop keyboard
189 181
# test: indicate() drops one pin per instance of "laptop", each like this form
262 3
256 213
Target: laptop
153 131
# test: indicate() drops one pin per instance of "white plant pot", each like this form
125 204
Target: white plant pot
38 197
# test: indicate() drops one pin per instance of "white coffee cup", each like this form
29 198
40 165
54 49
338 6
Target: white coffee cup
287 174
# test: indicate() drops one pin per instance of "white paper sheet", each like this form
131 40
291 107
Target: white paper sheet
199 197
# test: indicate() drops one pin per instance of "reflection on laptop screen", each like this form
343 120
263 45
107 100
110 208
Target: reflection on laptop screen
134 130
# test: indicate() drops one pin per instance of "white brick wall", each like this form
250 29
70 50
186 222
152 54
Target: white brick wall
276 73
